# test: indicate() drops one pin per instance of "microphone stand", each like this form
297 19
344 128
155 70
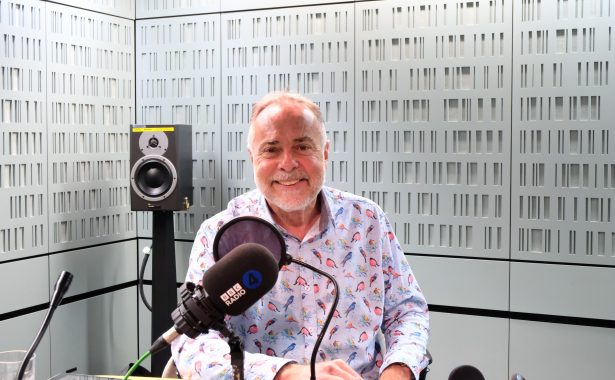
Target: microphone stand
60 288
164 283
322 333
237 354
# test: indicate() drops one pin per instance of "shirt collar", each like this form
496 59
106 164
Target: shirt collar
326 217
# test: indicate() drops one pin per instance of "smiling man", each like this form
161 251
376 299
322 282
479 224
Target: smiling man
338 232
289 152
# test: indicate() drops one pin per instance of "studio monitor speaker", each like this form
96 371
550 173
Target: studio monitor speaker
161 167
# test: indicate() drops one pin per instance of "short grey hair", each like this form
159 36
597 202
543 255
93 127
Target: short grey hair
281 98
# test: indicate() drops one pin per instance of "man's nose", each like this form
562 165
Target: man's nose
288 161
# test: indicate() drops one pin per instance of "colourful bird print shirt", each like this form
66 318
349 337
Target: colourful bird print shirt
355 243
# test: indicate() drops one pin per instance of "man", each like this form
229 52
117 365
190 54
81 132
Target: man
341 233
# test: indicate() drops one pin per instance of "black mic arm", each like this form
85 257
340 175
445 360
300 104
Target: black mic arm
59 290
322 332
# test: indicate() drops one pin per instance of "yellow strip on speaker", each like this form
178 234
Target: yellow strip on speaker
156 129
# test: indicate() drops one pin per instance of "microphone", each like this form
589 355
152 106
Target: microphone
230 286
59 290
251 229
466 372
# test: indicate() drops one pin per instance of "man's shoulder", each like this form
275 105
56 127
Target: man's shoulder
343 198
213 223
245 204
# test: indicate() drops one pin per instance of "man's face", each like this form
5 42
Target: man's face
288 157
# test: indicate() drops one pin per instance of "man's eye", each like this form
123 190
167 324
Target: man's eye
303 147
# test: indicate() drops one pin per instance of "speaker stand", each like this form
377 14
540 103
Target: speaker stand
164 283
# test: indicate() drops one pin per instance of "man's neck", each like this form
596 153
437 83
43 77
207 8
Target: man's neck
297 223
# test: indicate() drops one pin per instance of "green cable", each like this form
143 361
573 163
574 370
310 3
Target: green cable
137 364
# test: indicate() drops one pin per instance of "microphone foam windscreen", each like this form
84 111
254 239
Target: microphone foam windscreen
241 278
466 372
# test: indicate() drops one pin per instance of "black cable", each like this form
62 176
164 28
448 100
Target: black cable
141 275
321 335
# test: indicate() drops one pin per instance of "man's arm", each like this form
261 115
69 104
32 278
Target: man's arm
329 370
207 357
406 318
396 371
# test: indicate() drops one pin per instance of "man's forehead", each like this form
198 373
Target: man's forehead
274 140
287 109
279 119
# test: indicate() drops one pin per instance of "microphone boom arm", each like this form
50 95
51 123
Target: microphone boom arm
322 332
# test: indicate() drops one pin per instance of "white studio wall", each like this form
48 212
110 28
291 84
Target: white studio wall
483 128
66 100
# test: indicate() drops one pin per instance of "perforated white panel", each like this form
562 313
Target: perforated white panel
23 140
242 5
178 82
433 127
90 103
161 8
121 8
563 169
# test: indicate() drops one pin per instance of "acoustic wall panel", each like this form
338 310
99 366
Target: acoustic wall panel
66 97
14 338
481 284
97 335
178 82
12 279
463 339
121 8
550 351
241 5
307 50
563 158
96 268
90 103
23 139
578 291
165 8
432 134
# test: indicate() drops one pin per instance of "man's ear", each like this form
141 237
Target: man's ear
326 151
250 155
249 147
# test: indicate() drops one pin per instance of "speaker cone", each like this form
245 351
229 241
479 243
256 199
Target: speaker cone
153 177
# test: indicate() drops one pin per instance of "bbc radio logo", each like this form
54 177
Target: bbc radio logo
233 294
